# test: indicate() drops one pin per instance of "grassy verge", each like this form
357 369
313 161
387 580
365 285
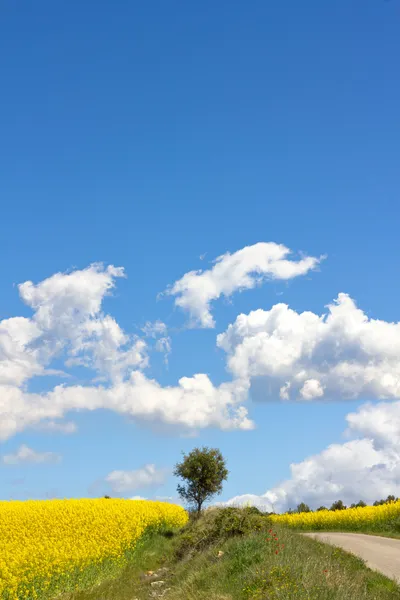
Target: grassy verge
151 552
232 554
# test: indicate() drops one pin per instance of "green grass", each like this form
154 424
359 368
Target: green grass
249 569
152 551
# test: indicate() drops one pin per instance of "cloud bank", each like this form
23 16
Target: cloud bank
68 325
275 354
194 403
366 468
305 356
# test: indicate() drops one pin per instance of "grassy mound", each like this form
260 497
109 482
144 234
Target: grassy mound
216 526
235 554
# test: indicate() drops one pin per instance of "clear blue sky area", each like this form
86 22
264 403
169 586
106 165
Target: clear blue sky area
157 136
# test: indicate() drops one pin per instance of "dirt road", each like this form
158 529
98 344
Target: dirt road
380 553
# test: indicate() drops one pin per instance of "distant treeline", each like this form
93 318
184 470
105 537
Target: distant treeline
338 505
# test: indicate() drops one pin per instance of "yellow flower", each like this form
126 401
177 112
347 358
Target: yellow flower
44 539
351 519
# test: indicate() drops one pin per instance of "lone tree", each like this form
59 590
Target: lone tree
203 471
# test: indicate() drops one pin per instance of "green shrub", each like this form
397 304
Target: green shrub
253 510
218 525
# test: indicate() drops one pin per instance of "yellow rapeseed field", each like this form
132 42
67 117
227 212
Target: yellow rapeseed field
45 546
374 518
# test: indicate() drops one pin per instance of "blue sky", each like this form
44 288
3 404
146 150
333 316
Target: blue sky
157 138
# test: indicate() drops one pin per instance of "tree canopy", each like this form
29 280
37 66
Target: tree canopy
203 470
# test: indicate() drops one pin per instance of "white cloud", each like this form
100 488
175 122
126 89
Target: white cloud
380 422
68 324
25 455
291 355
123 481
18 360
241 270
311 389
366 468
67 318
195 403
154 329
100 347
285 391
163 345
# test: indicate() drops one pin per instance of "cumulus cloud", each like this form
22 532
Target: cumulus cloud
68 324
124 481
106 348
19 361
339 355
365 468
244 269
25 455
380 422
67 318
311 389
195 403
